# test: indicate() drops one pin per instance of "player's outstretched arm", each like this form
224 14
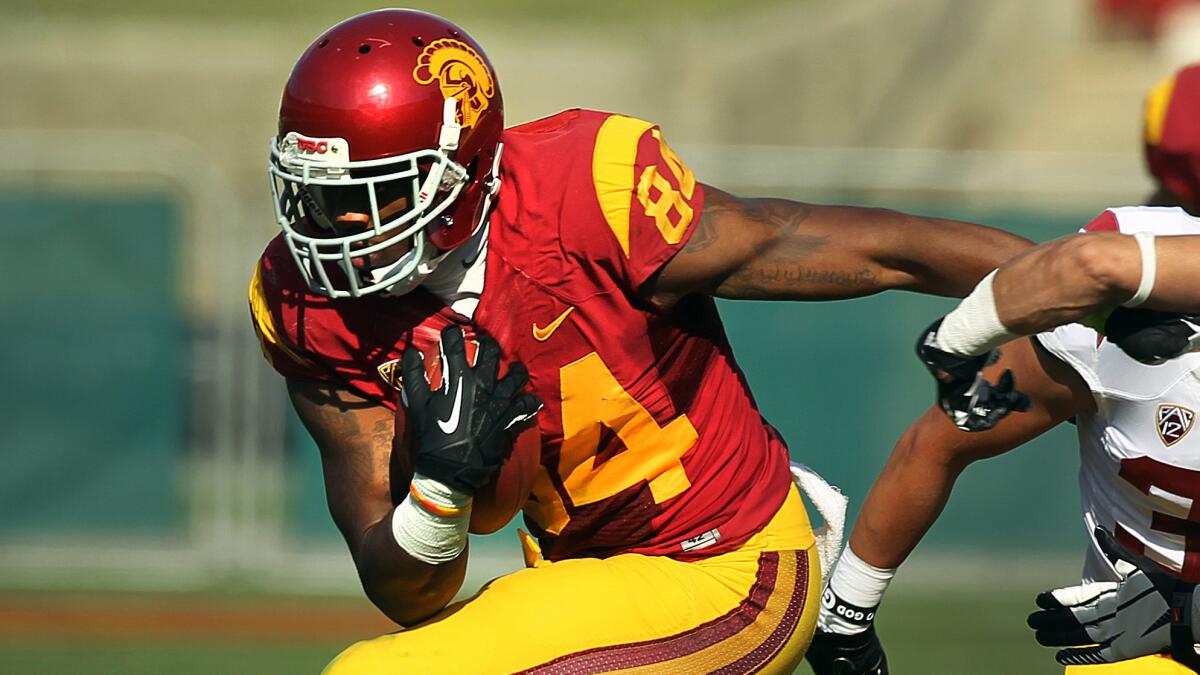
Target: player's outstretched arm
910 493
764 249
1068 279
355 439
1098 277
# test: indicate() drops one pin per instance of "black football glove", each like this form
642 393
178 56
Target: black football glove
837 654
462 428
969 400
1152 337
1147 612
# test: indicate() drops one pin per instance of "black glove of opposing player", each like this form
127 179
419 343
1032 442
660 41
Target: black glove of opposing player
462 428
1147 612
970 401
857 654
1152 337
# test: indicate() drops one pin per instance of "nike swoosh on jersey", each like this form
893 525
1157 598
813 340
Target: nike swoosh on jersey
450 424
543 334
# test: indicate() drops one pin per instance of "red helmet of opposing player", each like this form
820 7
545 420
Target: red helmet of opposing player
1172 135
393 115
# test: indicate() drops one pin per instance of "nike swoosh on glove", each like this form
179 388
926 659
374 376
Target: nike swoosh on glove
462 429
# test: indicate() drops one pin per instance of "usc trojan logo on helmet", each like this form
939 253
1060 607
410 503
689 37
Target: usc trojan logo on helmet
461 74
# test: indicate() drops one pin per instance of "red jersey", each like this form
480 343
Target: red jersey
651 440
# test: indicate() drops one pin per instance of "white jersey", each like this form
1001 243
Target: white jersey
1139 472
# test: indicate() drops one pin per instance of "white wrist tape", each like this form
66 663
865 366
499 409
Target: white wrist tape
426 536
974 327
1145 241
853 594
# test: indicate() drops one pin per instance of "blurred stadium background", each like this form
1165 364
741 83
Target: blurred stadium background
161 511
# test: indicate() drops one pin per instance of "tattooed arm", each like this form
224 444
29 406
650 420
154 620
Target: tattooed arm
775 249
361 474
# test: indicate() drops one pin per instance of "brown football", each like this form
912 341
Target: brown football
500 500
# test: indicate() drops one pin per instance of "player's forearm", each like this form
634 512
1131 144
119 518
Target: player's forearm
777 249
906 499
941 257
410 559
1177 287
846 252
792 255
404 588
1068 279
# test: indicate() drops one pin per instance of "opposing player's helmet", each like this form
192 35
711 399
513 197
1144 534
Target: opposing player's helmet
1172 134
396 110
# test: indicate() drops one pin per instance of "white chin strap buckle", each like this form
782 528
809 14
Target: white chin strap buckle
451 130
448 139
453 173
493 184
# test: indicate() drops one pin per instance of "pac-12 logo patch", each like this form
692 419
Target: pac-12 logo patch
1174 422
460 73
390 372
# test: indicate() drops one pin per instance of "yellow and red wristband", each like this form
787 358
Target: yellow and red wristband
433 507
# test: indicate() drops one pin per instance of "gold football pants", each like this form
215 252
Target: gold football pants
1147 665
752 609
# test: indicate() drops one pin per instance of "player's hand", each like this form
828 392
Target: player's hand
1148 612
462 427
1152 337
969 400
837 654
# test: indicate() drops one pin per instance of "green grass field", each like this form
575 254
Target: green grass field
962 634
956 634
91 656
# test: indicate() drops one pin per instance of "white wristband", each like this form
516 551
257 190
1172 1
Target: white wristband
852 594
426 536
974 327
1145 241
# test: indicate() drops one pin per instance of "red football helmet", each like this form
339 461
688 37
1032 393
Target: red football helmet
1172 135
393 110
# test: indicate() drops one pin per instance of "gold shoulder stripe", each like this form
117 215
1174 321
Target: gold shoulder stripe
1157 103
264 325
613 164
